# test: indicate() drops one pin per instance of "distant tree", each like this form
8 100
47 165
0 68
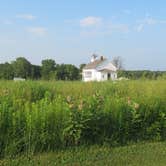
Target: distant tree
48 69
60 72
118 62
35 72
67 72
82 66
72 72
141 74
21 67
6 71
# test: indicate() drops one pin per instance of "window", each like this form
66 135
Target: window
109 76
88 74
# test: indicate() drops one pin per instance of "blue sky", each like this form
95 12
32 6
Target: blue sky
69 31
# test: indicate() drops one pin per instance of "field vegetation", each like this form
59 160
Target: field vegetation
38 116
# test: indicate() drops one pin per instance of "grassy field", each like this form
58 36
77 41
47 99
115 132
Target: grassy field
147 154
37 117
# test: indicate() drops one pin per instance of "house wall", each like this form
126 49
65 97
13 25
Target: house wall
114 75
98 76
103 76
93 75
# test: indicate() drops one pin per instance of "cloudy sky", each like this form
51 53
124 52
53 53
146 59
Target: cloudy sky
69 31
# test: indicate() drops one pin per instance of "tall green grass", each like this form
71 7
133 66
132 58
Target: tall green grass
45 116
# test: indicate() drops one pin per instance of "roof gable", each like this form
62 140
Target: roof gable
95 64
100 65
107 67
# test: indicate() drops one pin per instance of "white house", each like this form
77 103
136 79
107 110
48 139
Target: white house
99 69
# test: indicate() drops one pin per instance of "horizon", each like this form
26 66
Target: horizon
78 66
70 32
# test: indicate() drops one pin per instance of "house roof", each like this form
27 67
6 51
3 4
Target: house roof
101 65
107 67
93 65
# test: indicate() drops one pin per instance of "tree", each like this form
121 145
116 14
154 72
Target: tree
82 66
72 72
118 62
48 69
67 72
6 71
22 67
35 72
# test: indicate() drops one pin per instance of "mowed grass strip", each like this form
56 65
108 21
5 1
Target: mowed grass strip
142 154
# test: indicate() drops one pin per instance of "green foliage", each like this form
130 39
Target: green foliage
35 72
142 74
6 71
45 116
67 72
22 67
48 69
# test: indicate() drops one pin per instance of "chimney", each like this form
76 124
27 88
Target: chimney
93 58
102 58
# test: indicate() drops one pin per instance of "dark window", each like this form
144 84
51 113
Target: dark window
109 76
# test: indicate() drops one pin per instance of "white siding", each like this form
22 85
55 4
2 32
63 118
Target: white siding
97 75
84 75
104 76
113 75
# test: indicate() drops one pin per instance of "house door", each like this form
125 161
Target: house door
108 76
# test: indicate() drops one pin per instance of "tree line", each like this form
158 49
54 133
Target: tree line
49 70
142 74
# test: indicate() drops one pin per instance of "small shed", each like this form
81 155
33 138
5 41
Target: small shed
18 79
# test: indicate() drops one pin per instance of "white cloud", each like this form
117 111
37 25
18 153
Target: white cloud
26 16
148 21
100 27
38 31
107 29
90 21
